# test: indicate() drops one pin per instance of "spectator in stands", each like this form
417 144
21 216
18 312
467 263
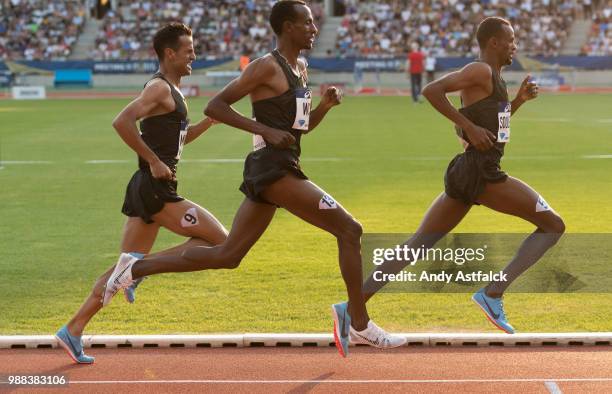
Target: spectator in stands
599 42
383 28
221 28
39 30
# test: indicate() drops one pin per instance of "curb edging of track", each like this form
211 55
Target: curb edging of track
310 340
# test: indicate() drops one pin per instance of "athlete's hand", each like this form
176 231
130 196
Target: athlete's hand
332 96
160 170
528 89
480 138
278 138
212 121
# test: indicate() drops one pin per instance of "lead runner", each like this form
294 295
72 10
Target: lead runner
475 176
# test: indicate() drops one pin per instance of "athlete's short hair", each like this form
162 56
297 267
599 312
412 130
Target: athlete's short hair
282 11
490 27
168 37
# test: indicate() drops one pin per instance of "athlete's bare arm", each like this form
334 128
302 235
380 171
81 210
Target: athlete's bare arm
195 130
527 91
331 98
474 82
155 99
258 75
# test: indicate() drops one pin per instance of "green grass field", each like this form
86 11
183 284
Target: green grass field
60 222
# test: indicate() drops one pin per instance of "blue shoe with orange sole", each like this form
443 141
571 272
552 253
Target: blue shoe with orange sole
493 308
342 324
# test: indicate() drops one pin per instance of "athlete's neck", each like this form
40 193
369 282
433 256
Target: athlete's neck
172 77
289 52
491 61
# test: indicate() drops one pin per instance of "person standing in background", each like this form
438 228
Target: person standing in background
415 68
430 65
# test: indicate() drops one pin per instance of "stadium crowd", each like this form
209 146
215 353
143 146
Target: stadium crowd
222 28
38 29
600 36
48 30
388 27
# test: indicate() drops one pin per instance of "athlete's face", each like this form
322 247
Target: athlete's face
302 30
182 58
505 45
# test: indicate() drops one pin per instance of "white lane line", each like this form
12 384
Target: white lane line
543 119
553 388
446 158
307 159
26 162
339 381
240 160
108 161
597 157
212 160
326 159
604 120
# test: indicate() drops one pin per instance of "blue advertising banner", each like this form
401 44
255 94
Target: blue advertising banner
397 64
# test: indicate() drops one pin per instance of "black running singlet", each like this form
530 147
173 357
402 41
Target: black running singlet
165 134
291 110
492 113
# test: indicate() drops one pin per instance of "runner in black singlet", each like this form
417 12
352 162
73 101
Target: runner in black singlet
281 103
475 176
165 135
151 199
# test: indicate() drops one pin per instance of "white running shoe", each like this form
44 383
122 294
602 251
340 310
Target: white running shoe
376 336
120 278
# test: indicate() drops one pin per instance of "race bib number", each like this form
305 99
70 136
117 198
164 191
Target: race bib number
303 98
258 141
182 139
503 118
327 202
190 218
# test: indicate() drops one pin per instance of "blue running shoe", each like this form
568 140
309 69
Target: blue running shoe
494 310
73 345
130 292
342 324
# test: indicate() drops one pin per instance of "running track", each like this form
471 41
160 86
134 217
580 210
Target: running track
316 369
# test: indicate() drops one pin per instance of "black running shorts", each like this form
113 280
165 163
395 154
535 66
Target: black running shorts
145 196
469 172
264 167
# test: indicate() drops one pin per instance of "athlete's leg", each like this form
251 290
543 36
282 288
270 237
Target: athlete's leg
250 222
515 197
307 201
188 219
442 216
138 236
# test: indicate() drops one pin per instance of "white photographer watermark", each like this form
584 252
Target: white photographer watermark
404 253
